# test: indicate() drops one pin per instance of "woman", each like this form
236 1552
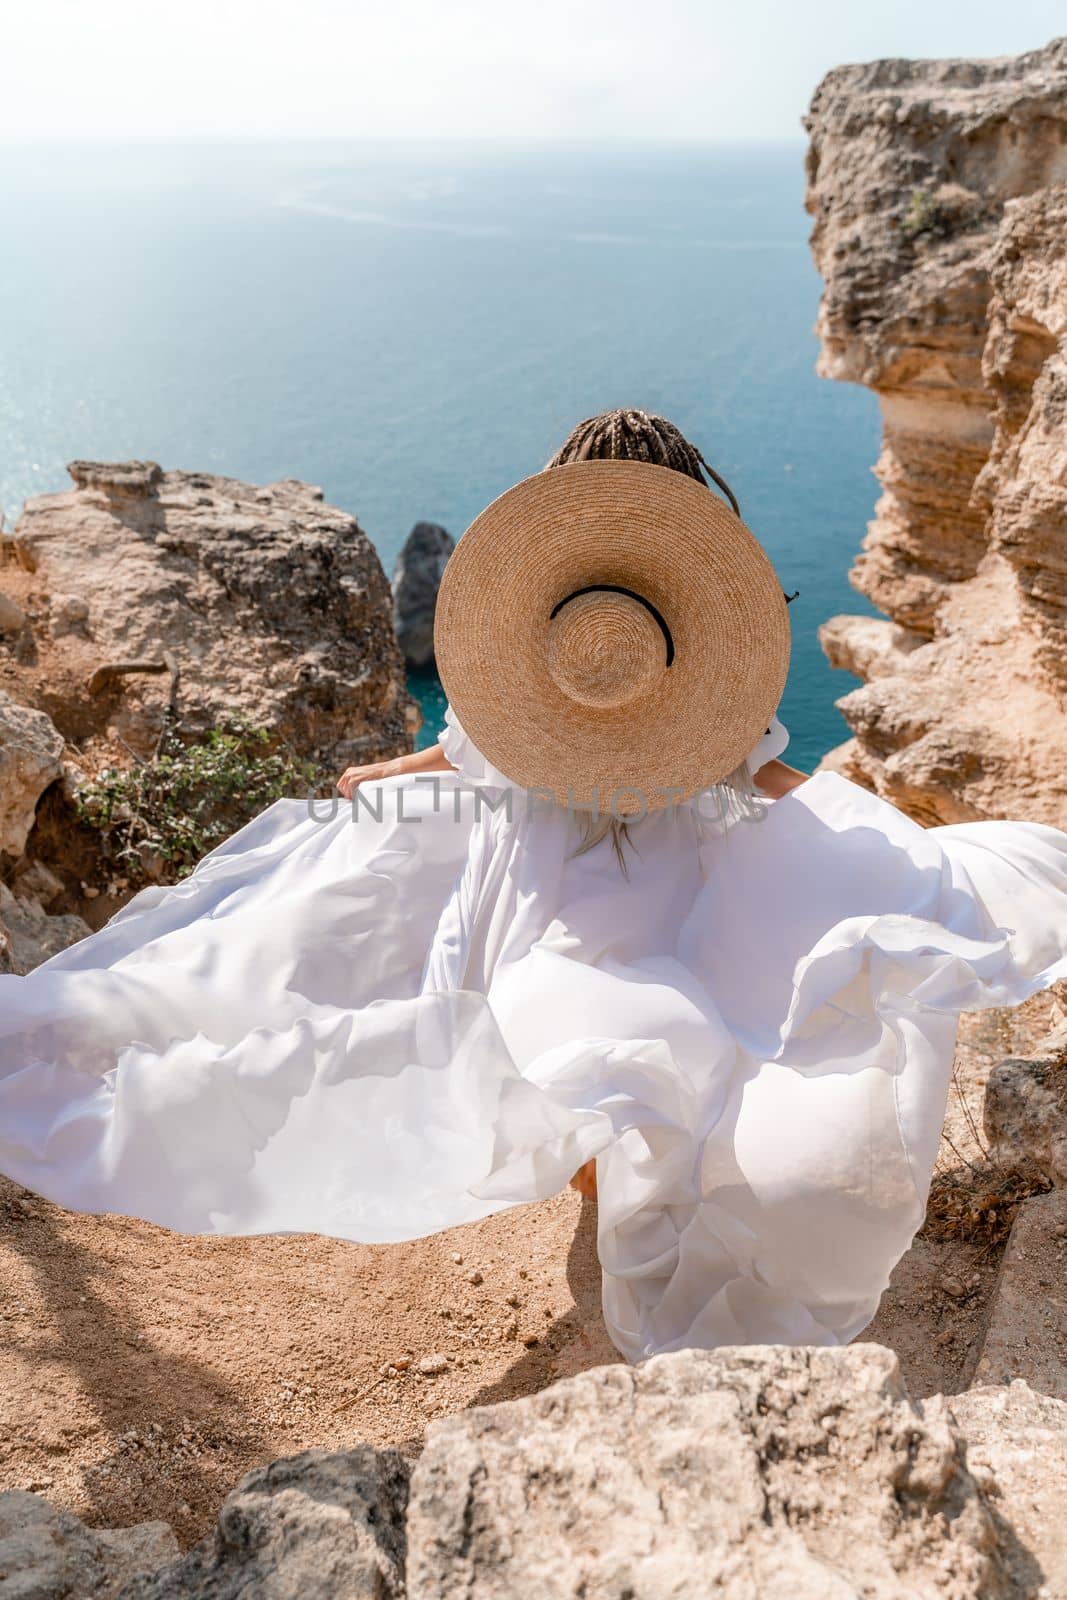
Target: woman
737 1000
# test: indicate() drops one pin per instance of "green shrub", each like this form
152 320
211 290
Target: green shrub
925 214
157 818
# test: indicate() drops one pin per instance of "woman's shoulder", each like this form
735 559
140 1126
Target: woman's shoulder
461 751
771 744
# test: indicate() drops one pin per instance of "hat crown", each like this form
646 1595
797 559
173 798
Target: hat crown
605 649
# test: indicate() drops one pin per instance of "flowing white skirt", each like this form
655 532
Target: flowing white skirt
376 1029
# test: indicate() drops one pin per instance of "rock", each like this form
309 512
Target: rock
38 882
271 603
1025 1110
870 647
12 616
941 233
67 613
1017 1444
30 751
430 1366
764 1471
28 935
315 1526
770 1471
416 580
46 1553
1027 1332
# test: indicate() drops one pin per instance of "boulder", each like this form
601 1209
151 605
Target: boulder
269 602
1025 1110
762 1471
1026 1335
416 580
12 616
48 1554
314 1526
28 935
1017 1452
30 751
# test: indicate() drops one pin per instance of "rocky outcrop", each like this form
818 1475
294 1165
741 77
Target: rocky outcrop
317 1526
47 1554
30 752
1025 1109
937 189
1017 1452
765 1470
758 1471
416 580
260 600
28 935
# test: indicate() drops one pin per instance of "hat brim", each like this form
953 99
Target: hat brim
662 535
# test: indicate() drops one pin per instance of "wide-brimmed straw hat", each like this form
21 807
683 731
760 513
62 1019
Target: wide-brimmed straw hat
610 632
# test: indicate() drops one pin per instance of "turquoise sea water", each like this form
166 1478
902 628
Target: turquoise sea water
417 326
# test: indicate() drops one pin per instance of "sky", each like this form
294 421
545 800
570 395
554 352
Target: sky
575 69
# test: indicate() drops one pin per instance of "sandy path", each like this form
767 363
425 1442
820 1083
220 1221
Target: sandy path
218 1353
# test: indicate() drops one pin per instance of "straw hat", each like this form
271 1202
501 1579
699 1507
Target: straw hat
611 632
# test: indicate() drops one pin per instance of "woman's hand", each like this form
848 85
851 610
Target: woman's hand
352 777
775 779
431 760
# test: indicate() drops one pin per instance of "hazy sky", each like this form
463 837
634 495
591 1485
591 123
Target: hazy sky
469 68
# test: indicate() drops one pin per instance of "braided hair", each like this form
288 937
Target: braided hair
623 435
635 436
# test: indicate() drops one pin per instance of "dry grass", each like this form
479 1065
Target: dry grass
976 1202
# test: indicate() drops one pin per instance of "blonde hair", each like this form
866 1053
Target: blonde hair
734 799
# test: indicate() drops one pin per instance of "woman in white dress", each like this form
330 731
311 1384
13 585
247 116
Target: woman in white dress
458 990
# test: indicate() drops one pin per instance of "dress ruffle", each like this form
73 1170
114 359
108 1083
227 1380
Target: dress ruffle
384 1020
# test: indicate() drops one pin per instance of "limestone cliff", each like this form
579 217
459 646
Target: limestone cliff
939 193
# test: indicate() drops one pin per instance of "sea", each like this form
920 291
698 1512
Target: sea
416 325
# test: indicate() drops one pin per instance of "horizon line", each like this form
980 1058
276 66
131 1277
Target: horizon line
23 141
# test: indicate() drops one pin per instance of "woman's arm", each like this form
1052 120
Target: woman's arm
775 779
431 760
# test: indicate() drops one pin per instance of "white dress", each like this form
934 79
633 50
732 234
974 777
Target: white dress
376 1029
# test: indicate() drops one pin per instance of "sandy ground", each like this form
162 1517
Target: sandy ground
142 1372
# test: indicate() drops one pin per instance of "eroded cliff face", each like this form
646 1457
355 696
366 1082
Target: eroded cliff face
939 193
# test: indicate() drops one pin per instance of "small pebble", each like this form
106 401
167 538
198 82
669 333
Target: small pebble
458 1259
954 1287
474 1276
431 1365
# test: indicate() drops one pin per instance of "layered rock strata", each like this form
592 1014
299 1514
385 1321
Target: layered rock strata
938 193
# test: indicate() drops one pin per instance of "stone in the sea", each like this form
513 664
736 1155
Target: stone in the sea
416 580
